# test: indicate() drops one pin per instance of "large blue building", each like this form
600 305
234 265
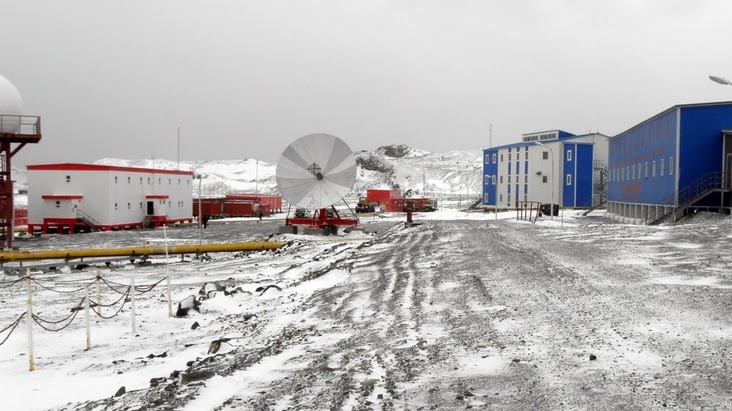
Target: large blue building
549 167
676 161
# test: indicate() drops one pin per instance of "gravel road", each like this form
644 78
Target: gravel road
472 313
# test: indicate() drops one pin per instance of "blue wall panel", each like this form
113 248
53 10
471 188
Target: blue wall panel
568 169
490 168
701 142
585 170
640 147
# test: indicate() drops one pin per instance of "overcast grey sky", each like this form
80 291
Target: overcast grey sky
243 79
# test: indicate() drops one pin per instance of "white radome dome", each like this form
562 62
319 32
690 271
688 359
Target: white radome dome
10 103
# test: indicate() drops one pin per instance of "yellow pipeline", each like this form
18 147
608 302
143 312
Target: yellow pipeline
7 256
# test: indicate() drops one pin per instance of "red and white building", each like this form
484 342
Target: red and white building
71 197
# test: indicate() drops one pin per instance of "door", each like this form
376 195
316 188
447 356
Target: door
150 208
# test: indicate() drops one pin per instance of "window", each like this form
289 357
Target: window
148 180
501 158
129 179
633 172
654 169
544 179
509 179
500 179
140 180
494 179
526 154
58 204
545 155
485 198
179 181
569 179
487 158
646 169
68 179
115 206
569 155
526 179
128 206
494 158
170 181
115 179
509 156
500 198
487 180
661 167
671 165
140 205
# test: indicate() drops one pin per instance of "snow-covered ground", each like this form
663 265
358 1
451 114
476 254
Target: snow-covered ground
457 310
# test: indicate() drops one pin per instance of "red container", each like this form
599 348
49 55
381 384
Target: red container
379 195
273 201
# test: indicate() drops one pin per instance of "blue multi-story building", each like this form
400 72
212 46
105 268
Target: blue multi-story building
549 167
673 162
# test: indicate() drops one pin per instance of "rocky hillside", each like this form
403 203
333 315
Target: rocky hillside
410 170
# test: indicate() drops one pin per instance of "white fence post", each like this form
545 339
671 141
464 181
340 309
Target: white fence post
29 306
132 303
167 274
99 291
86 318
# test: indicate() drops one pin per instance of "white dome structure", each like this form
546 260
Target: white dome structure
11 104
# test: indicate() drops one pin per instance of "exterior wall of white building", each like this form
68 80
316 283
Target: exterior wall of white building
108 196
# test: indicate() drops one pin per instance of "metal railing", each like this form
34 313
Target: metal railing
20 124
87 219
685 197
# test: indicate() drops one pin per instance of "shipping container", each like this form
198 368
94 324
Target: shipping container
379 195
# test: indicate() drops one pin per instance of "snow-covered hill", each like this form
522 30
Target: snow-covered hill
413 171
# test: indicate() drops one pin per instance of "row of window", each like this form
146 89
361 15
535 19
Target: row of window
508 199
149 180
161 202
129 205
641 171
491 179
491 158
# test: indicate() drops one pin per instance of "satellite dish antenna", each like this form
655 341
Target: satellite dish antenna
316 171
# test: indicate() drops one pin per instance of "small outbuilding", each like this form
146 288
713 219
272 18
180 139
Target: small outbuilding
71 197
675 162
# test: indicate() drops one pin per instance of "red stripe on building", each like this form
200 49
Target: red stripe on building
101 167
157 196
62 197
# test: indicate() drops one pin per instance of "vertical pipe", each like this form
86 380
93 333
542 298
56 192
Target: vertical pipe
86 318
29 304
132 303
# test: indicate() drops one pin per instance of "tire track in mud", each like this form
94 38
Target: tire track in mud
459 314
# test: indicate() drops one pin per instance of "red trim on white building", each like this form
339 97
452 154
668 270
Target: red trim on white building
157 196
62 197
102 167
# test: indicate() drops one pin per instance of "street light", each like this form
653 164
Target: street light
720 80
199 177
551 205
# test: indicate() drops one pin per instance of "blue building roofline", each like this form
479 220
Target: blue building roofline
668 110
570 137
